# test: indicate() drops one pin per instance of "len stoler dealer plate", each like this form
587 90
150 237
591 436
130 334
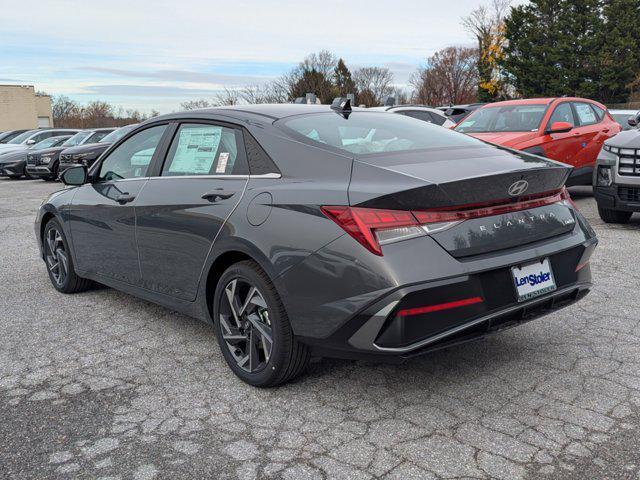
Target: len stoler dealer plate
533 279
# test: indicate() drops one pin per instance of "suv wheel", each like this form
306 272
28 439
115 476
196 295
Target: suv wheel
59 262
614 216
253 329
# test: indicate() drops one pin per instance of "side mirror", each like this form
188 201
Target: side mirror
633 120
560 127
30 142
74 176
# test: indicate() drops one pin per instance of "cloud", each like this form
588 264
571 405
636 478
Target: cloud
148 91
182 76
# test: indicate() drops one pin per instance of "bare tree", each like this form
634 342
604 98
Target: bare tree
373 84
64 109
227 97
271 92
196 104
450 77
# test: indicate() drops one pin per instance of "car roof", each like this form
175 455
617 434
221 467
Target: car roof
273 111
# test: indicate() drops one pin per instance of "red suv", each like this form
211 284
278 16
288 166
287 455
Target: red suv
570 130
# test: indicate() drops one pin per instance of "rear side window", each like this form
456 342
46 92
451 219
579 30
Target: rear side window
371 132
586 114
599 112
200 149
562 113
420 115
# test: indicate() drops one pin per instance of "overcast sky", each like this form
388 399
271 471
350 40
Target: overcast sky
155 54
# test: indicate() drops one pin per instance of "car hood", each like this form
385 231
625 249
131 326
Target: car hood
87 148
11 157
5 147
45 151
626 139
507 139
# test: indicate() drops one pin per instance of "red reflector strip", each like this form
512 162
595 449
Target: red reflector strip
439 307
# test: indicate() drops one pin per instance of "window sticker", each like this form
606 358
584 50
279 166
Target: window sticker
223 158
196 150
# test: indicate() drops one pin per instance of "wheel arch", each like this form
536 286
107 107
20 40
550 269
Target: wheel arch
222 259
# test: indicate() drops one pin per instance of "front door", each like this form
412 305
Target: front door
563 147
102 213
180 211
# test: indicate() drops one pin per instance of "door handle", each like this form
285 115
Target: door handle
218 194
125 198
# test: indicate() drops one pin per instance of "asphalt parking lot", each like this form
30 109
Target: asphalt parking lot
103 385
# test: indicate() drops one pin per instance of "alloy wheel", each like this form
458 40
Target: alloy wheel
56 256
245 325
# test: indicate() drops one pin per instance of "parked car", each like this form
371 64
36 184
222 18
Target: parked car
569 130
315 230
622 117
421 112
616 181
31 137
457 112
14 164
44 163
88 153
6 136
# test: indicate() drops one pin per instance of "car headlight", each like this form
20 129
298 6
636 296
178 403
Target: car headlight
604 178
45 159
609 148
80 156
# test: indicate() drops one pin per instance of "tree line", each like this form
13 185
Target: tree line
68 113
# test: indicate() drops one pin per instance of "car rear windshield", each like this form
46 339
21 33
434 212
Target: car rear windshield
504 118
370 132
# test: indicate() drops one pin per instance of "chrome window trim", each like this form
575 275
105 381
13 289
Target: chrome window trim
220 177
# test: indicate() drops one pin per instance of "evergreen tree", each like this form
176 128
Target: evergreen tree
342 79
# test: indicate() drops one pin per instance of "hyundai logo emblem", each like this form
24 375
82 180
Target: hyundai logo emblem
518 188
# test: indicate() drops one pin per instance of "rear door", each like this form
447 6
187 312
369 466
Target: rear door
563 147
592 134
186 202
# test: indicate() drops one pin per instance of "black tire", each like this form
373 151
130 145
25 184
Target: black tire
614 216
63 276
287 357
54 174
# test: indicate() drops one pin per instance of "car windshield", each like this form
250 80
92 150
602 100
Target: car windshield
76 139
621 119
21 138
117 134
370 132
505 118
47 142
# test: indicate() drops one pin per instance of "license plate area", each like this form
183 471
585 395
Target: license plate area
533 279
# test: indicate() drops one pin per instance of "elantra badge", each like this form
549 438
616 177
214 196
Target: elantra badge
518 188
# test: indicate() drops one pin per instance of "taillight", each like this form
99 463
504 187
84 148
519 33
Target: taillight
373 227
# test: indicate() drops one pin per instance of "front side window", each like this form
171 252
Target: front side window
96 137
505 118
116 135
562 113
76 139
371 132
21 138
200 149
42 135
586 115
131 159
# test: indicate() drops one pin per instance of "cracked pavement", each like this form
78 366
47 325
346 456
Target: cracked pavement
101 385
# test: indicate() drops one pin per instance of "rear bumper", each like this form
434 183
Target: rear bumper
618 197
377 332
